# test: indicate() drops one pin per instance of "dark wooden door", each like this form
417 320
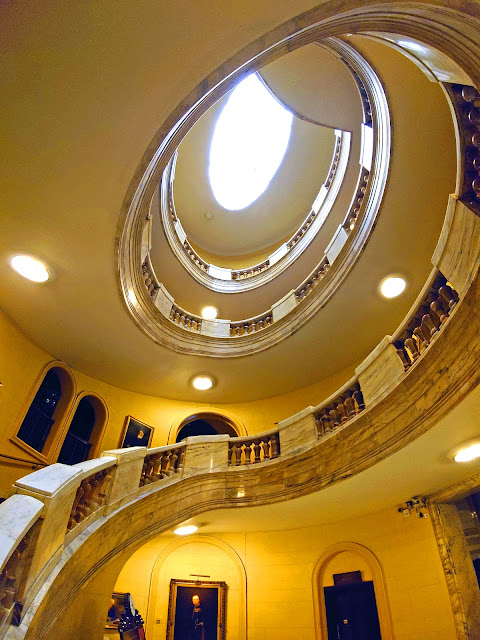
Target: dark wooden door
352 612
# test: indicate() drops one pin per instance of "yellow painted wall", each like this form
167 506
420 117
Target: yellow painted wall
22 363
152 567
279 567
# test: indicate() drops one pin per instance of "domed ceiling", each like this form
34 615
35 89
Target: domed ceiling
79 316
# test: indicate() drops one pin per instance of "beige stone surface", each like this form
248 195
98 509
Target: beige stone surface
206 454
457 254
379 371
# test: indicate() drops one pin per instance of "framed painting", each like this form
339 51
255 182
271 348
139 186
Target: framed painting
136 433
115 610
196 610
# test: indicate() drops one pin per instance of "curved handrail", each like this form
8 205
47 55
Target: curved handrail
219 463
233 280
97 490
151 310
456 347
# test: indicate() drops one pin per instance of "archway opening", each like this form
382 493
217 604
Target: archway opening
206 424
47 412
85 431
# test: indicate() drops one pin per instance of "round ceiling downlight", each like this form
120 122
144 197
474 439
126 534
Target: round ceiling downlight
30 268
392 286
203 382
209 313
468 452
186 530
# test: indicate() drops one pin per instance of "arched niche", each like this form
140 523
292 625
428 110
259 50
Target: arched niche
95 437
67 386
147 574
355 557
219 421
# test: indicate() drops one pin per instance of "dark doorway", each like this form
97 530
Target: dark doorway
77 443
205 425
352 612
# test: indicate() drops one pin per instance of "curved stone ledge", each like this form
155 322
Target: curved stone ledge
226 280
151 306
431 387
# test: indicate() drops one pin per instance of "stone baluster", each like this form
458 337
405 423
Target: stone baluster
426 321
256 450
172 469
90 495
265 444
274 446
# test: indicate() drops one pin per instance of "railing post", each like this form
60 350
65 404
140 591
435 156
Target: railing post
457 254
19 528
379 371
55 486
205 454
298 432
125 475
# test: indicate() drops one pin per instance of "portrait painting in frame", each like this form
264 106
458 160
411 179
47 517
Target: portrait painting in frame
196 610
136 433
115 609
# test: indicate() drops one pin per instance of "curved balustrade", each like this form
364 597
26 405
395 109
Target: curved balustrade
337 410
263 447
465 100
251 325
312 281
194 257
162 462
90 497
251 271
291 455
215 338
429 318
184 319
280 258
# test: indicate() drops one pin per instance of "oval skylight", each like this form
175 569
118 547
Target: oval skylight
248 144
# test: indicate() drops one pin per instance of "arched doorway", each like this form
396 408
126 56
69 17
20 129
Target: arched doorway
207 423
364 593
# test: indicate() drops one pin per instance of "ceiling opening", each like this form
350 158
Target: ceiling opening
248 144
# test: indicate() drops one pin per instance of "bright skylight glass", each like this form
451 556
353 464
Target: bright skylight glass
248 144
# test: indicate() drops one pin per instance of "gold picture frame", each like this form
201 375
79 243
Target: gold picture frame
212 596
136 433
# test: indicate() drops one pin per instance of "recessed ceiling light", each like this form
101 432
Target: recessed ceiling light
468 452
209 313
392 286
186 530
203 382
30 268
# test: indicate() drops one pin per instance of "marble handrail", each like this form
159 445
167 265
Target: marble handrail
465 101
251 450
184 319
162 462
339 407
315 218
429 315
251 325
92 491
18 524
64 499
